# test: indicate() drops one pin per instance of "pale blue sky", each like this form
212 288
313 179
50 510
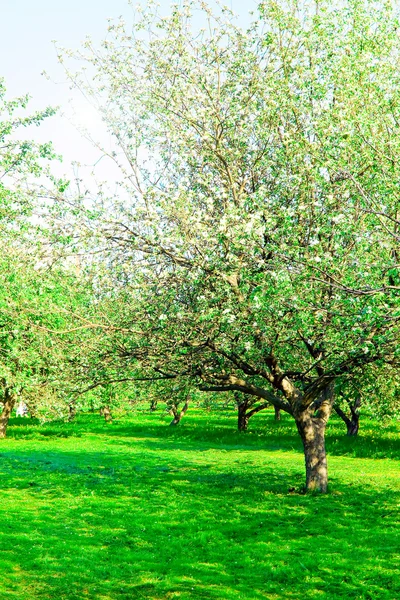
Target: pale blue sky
26 49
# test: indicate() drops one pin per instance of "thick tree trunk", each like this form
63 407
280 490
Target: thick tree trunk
312 432
243 418
179 414
277 413
8 405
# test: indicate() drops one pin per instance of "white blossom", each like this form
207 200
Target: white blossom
323 171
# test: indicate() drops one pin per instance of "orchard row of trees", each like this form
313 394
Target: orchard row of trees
252 245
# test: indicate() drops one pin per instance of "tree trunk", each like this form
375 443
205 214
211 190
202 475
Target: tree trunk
177 418
179 414
277 413
243 418
8 405
107 414
153 405
72 411
312 432
353 423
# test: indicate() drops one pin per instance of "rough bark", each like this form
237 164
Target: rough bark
277 413
178 414
312 433
8 405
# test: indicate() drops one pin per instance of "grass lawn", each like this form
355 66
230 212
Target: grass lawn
137 509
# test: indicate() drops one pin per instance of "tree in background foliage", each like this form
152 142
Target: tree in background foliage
374 391
20 161
256 225
39 300
38 341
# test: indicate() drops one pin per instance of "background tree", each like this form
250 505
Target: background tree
38 339
352 400
373 391
247 406
21 162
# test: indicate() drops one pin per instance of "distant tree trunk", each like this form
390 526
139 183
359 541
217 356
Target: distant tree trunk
353 422
178 415
153 404
106 413
8 405
246 410
353 426
312 433
72 411
277 413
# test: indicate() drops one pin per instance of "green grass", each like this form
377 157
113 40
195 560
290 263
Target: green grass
137 510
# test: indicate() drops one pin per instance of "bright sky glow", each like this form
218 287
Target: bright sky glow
26 50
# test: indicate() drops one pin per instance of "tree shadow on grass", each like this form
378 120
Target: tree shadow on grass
269 435
110 525
218 431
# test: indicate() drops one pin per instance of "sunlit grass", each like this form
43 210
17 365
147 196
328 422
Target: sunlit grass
137 509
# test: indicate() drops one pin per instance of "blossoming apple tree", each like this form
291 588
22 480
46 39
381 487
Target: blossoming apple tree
256 225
